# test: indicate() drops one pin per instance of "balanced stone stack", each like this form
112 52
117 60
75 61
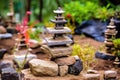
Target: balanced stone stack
58 46
110 34
59 37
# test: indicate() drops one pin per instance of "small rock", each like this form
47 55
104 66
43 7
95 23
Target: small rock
76 57
20 59
92 72
76 68
5 64
110 74
43 68
2 30
63 70
34 44
91 76
65 60
9 73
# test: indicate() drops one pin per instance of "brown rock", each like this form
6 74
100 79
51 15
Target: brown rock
65 60
110 74
43 68
2 30
61 51
91 76
63 70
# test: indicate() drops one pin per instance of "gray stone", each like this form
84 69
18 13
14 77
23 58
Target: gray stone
43 68
63 70
61 51
91 76
34 44
53 31
65 60
63 41
110 74
20 58
6 35
2 30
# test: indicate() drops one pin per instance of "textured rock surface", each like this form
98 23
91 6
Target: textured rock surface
43 68
2 30
60 51
65 60
91 76
110 75
63 70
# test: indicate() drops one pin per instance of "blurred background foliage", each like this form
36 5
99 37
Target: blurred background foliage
79 10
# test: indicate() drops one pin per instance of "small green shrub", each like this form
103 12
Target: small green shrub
87 10
86 54
116 43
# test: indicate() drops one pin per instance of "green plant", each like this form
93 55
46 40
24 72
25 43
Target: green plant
35 34
86 54
85 10
116 43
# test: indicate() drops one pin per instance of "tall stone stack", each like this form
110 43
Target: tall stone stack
58 41
110 34
57 45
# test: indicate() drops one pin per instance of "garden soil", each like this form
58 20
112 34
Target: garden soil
99 65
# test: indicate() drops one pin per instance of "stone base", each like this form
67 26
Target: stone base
60 41
60 51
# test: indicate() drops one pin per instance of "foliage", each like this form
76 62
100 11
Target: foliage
86 54
35 34
87 10
116 43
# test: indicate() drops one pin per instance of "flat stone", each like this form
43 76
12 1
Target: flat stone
63 70
92 71
65 60
43 68
53 30
20 58
110 74
5 36
63 41
59 22
91 76
60 51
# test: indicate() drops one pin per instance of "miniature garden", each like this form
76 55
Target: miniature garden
60 40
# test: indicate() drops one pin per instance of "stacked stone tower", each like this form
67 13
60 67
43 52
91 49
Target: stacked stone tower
58 37
110 34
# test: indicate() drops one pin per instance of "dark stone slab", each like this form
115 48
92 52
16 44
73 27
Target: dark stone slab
59 22
76 68
104 56
9 73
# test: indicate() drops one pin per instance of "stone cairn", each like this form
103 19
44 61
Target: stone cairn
57 45
110 34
